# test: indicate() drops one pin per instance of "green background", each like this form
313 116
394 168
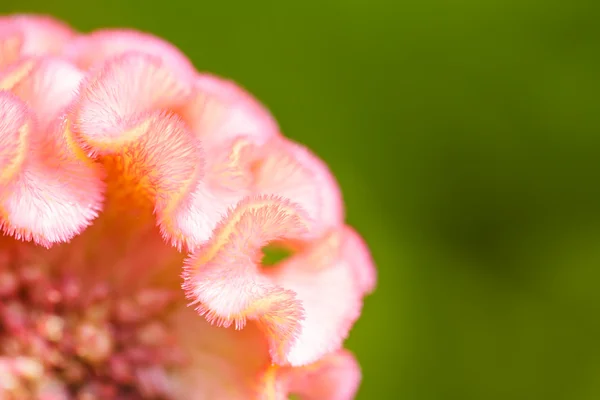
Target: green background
465 135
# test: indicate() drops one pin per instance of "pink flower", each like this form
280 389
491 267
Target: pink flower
124 169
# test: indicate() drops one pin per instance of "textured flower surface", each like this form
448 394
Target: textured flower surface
138 198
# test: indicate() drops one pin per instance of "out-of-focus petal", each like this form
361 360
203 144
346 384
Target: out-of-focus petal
336 376
223 277
220 110
88 51
30 35
119 115
359 257
11 42
224 363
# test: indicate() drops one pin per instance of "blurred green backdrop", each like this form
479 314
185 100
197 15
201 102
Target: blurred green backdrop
465 135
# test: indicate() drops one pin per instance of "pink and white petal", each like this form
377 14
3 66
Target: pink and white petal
224 363
193 221
125 90
15 127
336 376
38 34
88 51
220 111
223 280
57 194
289 170
49 88
325 282
331 212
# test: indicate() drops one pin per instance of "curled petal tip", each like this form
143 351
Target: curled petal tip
223 280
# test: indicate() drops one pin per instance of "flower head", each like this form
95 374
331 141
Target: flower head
124 170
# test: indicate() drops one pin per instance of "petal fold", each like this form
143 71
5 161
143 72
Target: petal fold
327 281
335 376
223 279
57 192
120 94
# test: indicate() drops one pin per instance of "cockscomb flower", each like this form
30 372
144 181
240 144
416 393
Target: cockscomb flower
138 198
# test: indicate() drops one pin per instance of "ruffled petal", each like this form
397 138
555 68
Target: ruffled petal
223 279
89 51
223 363
325 279
11 42
220 110
121 94
57 192
306 305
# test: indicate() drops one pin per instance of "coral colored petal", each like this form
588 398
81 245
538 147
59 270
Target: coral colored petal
334 377
57 194
49 88
220 110
93 49
15 125
324 280
224 363
125 90
223 280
